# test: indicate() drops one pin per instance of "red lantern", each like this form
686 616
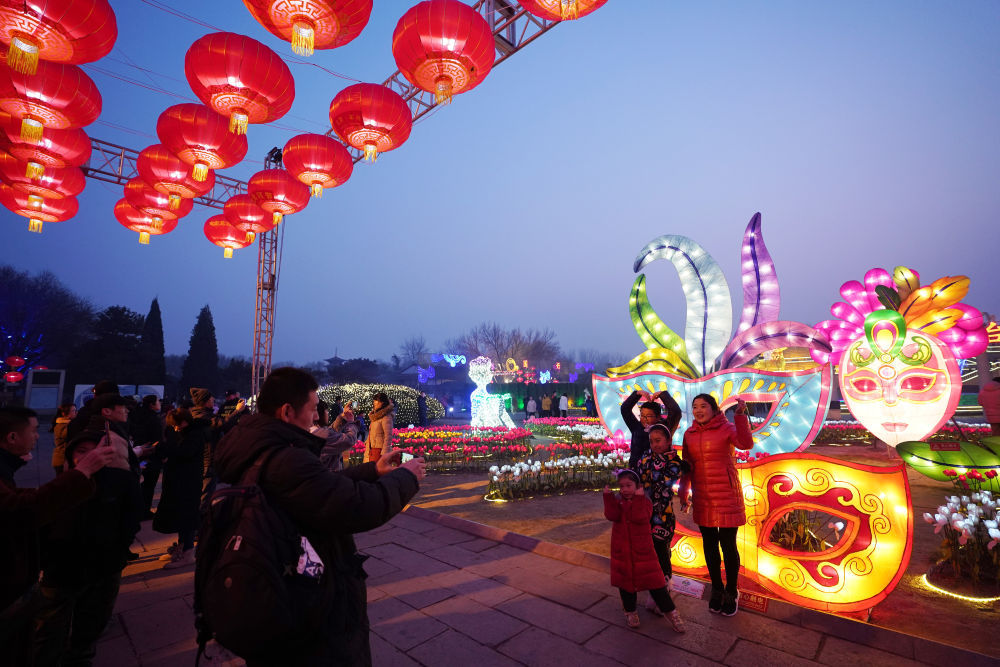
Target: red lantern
147 199
221 233
201 138
13 377
57 97
239 78
58 148
562 10
170 175
318 161
145 224
16 361
370 117
444 47
62 31
243 213
38 209
53 184
278 192
309 24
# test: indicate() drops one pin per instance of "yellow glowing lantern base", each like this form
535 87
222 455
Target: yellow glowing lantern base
302 37
251 237
858 571
277 217
199 172
238 120
443 90
144 238
31 129
34 170
371 152
175 202
316 189
22 56
35 226
227 253
35 202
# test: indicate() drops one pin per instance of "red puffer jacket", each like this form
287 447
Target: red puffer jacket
634 566
708 448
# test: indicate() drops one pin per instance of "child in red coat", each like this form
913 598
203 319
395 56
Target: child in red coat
634 566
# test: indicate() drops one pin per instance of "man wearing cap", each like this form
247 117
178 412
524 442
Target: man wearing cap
110 416
84 414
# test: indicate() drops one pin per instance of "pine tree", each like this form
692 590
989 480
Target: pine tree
154 366
201 367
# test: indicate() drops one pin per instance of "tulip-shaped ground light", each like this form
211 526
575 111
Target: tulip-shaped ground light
371 118
65 31
141 222
37 209
278 192
221 233
243 213
317 161
170 175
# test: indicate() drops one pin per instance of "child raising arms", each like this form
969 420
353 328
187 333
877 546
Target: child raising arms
634 566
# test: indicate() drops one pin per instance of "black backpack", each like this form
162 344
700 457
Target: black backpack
247 592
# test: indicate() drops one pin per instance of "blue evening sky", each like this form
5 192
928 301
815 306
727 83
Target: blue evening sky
866 133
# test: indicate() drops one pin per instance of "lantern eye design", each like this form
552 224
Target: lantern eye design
865 385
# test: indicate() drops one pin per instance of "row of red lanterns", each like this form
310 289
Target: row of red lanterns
45 100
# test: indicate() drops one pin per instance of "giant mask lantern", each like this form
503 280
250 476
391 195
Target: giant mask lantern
896 344
708 361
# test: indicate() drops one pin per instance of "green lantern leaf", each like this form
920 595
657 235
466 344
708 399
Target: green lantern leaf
651 329
969 456
888 297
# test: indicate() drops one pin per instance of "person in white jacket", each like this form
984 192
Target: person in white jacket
380 425
564 406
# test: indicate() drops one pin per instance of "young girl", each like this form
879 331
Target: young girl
634 566
718 497
659 469
649 414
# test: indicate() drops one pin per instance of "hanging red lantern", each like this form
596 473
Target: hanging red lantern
312 24
57 97
562 10
370 117
58 148
278 192
444 47
170 175
147 199
53 184
15 361
221 233
201 138
239 78
139 221
38 209
13 377
243 213
318 161
61 31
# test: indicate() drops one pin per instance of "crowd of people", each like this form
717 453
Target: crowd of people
555 405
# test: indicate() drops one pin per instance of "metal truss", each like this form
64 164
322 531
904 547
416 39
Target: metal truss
268 265
112 163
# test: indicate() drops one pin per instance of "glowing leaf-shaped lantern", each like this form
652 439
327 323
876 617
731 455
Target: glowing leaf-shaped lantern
278 192
243 213
62 31
371 118
317 161
201 138
221 233
38 209
56 96
143 223
170 175
444 47
312 24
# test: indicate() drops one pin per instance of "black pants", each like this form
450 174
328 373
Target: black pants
150 475
712 538
70 620
663 555
660 596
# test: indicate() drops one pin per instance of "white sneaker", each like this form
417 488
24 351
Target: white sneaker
180 560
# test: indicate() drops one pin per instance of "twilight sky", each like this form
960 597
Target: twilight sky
865 133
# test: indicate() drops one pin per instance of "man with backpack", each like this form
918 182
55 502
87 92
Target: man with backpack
278 579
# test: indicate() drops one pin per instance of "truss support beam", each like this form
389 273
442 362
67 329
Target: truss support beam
268 260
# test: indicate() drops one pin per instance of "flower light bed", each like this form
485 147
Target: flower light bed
529 478
458 448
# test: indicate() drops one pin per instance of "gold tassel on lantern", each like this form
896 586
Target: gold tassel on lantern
143 238
316 189
22 56
251 236
442 92
277 217
371 153
31 129
302 38
175 202
35 202
569 10
157 222
200 171
238 122
228 253
35 225
34 170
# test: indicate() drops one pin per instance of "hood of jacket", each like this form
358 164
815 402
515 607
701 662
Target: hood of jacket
250 437
713 423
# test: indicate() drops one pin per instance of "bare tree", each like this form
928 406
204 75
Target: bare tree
499 344
414 350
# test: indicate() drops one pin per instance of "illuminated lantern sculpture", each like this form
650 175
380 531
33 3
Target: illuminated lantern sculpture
278 192
201 138
487 409
13 377
896 344
562 10
221 233
38 209
243 213
56 97
318 161
63 31
313 24
707 361
58 148
444 47
239 78
371 118
170 175
854 568
141 222
53 184
147 199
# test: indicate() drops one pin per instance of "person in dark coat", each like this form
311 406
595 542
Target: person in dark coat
83 416
326 507
146 427
183 470
83 554
23 512
649 414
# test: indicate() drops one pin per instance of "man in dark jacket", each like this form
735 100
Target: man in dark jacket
22 513
324 506
146 428
84 414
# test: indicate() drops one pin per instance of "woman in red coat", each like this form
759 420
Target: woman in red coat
709 445
634 566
